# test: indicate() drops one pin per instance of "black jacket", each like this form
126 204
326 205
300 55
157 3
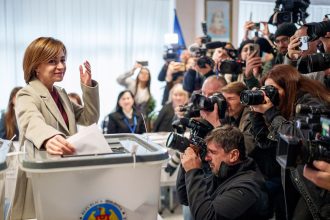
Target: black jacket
267 129
164 119
238 193
115 123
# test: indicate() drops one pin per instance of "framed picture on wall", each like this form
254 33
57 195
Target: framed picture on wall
218 16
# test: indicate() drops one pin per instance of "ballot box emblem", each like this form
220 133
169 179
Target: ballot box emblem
103 210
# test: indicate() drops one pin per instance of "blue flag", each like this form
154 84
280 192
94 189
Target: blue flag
177 30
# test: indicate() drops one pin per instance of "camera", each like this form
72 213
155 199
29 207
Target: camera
198 131
200 51
202 102
190 111
290 11
292 151
304 43
206 38
314 63
256 97
257 25
316 30
231 66
171 54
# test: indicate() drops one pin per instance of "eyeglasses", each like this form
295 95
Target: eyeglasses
283 40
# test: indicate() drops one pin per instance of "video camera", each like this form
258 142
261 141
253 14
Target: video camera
200 102
200 51
198 131
171 52
256 97
292 151
292 11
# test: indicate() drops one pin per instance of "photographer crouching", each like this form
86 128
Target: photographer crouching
235 190
304 200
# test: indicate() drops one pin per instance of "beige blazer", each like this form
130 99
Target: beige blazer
39 119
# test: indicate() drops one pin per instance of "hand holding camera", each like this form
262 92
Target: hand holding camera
319 176
190 159
294 52
249 26
261 99
137 65
253 64
203 70
174 67
262 108
212 117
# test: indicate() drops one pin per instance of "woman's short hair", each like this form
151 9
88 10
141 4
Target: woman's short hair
178 88
41 50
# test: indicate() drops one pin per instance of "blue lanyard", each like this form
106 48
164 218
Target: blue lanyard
131 128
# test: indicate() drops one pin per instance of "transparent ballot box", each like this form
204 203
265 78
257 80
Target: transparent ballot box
4 148
124 184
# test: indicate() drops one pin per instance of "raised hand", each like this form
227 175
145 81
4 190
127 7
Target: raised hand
253 64
86 74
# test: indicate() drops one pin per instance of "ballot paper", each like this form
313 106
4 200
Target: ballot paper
89 140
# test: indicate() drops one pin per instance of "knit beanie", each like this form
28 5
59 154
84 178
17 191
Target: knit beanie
285 29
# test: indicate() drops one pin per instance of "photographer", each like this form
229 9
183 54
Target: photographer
172 73
238 114
194 77
282 39
211 85
307 60
235 190
272 118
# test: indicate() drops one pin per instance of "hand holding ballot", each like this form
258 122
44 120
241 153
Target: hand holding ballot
89 140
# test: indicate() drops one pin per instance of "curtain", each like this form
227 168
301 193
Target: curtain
111 34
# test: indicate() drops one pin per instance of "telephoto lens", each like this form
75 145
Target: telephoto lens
249 97
256 97
177 142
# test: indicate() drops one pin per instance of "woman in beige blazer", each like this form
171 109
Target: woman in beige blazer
44 112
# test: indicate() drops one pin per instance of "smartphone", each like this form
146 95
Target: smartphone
254 47
143 63
257 25
303 43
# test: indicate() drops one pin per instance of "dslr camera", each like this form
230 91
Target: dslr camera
231 66
292 151
198 131
256 97
200 102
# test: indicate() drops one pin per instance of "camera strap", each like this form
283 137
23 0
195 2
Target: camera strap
131 128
